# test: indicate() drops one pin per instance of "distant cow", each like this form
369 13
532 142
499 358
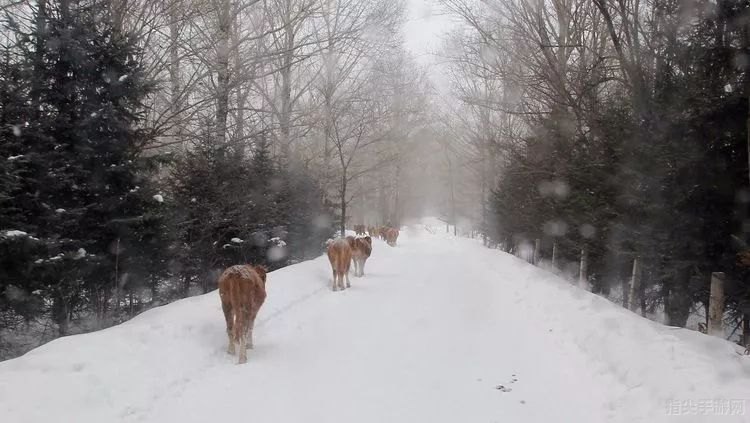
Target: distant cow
340 256
383 232
372 231
391 236
359 229
361 250
242 289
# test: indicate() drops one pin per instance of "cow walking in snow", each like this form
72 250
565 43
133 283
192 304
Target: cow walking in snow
359 229
242 289
391 236
361 250
340 256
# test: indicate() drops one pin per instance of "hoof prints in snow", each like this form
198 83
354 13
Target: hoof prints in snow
503 388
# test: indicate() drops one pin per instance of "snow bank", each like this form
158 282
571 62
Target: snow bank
440 330
121 373
655 367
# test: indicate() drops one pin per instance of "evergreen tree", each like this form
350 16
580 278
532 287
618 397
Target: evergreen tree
83 197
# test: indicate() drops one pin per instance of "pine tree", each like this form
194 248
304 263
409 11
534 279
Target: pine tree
83 189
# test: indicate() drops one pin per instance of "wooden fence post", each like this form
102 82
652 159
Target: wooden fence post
583 273
716 305
635 281
537 250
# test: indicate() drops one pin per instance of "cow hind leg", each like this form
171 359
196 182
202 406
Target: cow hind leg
250 327
229 317
334 286
243 349
242 332
250 342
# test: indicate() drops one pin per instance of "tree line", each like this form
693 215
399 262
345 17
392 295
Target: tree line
145 146
614 127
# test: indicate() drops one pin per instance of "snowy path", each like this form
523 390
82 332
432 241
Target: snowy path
427 336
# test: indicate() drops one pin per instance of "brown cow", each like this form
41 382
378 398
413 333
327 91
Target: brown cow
340 256
383 232
361 250
391 236
359 229
242 289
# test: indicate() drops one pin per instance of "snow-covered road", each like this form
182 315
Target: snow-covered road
439 330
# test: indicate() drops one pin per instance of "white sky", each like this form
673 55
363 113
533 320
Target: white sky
424 28
424 31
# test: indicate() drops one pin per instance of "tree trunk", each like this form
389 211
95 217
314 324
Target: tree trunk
185 286
678 305
286 93
342 226
554 254
222 79
175 81
583 274
241 94
116 286
716 305
453 199
634 288
748 135
41 24
61 313
396 215
154 290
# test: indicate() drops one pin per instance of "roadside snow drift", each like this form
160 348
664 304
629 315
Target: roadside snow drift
440 329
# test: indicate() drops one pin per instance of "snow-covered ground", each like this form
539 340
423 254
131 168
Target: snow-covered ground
439 330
